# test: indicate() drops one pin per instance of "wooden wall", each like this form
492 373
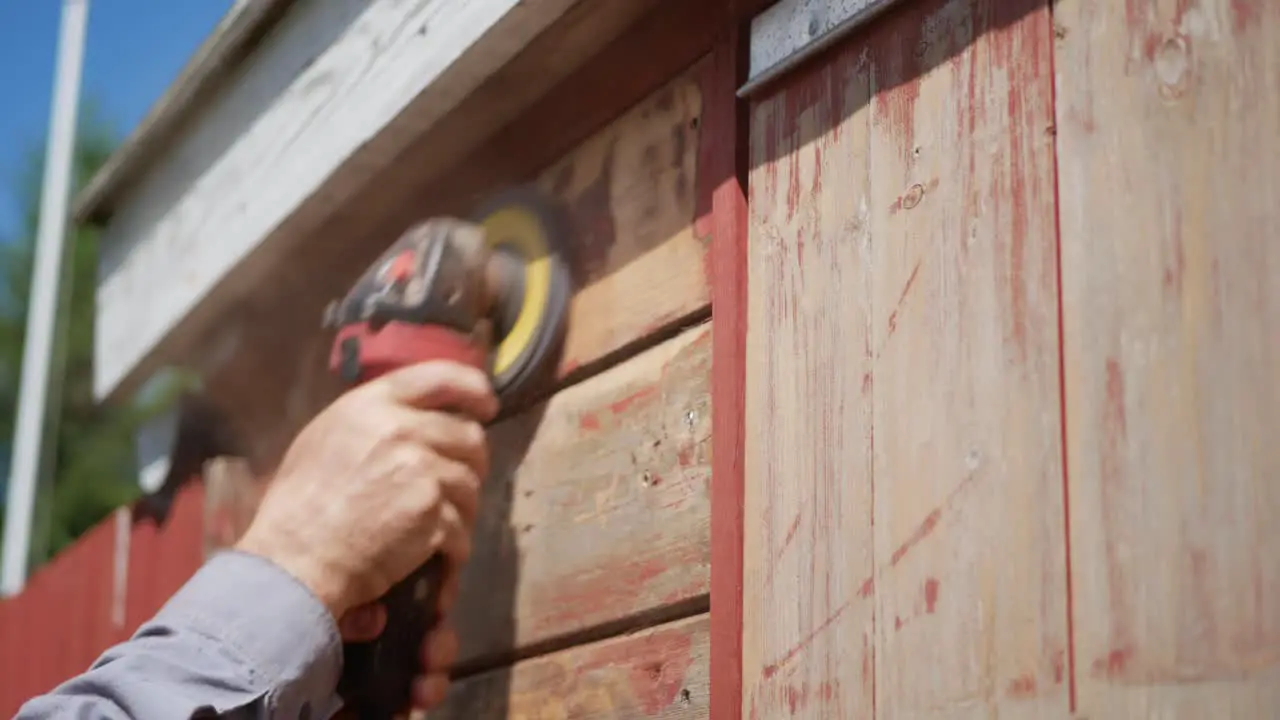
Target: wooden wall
1171 324
597 515
1012 355
588 593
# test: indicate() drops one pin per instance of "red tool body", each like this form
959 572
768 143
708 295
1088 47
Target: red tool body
491 294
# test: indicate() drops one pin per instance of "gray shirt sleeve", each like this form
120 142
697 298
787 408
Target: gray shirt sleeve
242 639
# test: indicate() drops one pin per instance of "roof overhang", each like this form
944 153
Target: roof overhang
226 48
287 112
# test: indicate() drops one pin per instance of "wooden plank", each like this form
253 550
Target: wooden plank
904 362
724 168
1169 174
596 510
970 536
334 95
632 194
656 673
807 487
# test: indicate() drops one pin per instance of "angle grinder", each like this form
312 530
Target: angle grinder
491 292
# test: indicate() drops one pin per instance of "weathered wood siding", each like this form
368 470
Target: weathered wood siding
988 482
597 511
596 518
1169 156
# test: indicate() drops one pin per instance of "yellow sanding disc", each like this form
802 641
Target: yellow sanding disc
524 224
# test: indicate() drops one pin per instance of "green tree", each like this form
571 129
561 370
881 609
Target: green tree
90 448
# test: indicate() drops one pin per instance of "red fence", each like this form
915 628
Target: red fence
93 595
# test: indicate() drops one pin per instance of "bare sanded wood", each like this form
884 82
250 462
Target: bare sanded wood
807 632
657 673
970 539
630 193
1169 161
638 266
597 508
903 377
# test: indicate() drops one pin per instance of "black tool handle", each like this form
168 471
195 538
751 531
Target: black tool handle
377 677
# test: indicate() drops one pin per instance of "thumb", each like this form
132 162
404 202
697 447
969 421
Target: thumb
442 385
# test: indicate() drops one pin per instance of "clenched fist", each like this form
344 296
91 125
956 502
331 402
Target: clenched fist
377 483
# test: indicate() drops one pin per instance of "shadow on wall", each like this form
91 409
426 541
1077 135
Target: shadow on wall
486 614
894 50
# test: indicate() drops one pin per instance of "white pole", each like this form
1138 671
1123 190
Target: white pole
33 391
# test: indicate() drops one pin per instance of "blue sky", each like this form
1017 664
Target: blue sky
135 48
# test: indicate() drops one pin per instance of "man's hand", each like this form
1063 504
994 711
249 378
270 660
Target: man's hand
376 484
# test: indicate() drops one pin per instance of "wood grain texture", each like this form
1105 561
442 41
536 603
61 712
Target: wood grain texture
807 634
656 673
1169 176
970 535
596 511
903 377
637 264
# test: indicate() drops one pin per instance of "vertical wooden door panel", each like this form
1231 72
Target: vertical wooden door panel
1169 152
906 552
969 529
807 618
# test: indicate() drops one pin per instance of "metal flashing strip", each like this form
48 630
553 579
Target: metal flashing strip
792 31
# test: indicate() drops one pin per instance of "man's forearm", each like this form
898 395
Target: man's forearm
242 639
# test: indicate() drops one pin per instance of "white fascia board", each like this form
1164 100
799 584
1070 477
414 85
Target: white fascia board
310 117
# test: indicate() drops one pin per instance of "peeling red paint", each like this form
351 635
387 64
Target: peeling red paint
1114 422
817 167
923 531
1059 666
793 185
902 299
576 599
772 669
1022 687
621 406
657 666
1244 14
1114 664
796 697
687 455
868 588
791 534
896 109
931 587
1135 14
